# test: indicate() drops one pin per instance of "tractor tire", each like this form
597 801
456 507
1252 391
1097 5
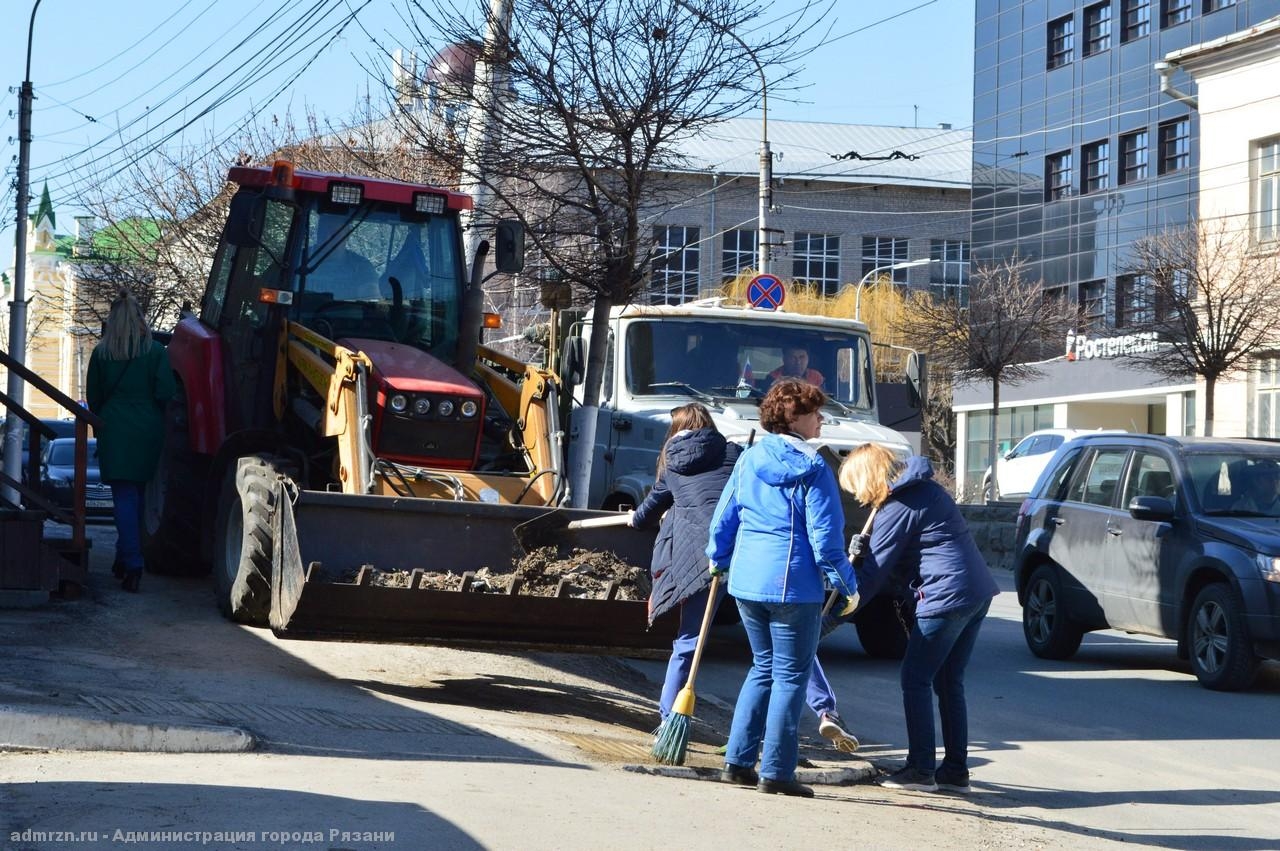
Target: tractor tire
171 502
242 544
1221 653
1046 624
880 632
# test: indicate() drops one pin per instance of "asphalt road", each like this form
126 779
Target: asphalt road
1118 743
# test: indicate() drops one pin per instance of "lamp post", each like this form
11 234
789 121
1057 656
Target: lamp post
766 155
857 298
18 307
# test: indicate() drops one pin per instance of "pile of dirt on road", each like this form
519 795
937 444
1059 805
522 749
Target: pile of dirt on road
585 574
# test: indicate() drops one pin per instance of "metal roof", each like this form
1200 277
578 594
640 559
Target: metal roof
813 150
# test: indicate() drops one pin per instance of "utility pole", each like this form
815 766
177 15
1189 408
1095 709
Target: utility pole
18 307
489 86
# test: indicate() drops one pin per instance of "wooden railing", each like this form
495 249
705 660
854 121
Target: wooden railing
84 418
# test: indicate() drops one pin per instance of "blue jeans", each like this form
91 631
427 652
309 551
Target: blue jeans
937 653
818 692
784 639
127 497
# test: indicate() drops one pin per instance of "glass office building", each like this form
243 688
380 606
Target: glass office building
1076 152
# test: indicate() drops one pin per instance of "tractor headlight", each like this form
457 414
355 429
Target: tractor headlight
422 406
398 403
1269 567
468 408
445 408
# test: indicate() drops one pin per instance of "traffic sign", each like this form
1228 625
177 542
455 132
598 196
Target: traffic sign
766 291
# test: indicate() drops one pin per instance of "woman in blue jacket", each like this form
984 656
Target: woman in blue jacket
919 539
777 529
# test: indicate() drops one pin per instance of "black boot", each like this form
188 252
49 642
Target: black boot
117 569
739 774
132 579
784 787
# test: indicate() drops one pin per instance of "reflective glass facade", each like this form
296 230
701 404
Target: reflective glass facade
1076 156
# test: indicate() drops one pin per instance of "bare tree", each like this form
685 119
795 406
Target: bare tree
996 333
1211 298
591 99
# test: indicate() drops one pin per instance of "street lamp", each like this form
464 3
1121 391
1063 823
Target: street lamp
18 308
857 298
766 156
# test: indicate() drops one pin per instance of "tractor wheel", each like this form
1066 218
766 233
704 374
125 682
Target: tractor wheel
171 503
242 541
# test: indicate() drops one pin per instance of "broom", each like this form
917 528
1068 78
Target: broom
671 741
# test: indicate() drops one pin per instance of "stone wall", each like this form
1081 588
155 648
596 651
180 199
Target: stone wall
993 527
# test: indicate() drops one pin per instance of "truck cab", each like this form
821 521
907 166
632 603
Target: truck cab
726 357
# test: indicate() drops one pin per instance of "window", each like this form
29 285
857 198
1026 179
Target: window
880 251
1093 304
1215 5
1175 145
1268 191
677 253
950 269
739 252
1061 41
1098 487
1266 400
1149 475
816 259
1135 301
1097 166
1133 157
1175 12
1135 19
1097 28
1057 176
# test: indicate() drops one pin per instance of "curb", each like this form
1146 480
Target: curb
48 731
859 773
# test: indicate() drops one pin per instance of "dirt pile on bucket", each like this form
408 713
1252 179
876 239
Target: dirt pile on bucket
544 572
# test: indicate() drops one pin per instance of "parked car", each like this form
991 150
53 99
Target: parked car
60 428
1166 536
1018 469
57 477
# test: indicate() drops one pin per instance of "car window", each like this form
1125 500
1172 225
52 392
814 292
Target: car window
1150 474
1097 486
1023 448
63 453
1056 483
1044 444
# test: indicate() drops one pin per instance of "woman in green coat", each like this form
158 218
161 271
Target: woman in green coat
129 382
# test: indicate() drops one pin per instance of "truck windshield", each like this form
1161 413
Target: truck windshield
369 272
728 359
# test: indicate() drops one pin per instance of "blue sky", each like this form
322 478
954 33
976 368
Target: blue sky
107 72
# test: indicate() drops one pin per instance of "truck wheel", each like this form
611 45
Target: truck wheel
242 540
1046 623
171 503
880 632
1221 652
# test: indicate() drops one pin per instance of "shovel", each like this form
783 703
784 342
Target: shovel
548 529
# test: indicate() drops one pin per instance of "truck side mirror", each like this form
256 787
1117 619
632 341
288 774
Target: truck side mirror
509 253
917 380
245 219
573 361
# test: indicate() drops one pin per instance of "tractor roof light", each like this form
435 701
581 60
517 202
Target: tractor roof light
346 193
428 202
282 174
492 320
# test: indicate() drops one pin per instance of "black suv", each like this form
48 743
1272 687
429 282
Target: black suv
1170 536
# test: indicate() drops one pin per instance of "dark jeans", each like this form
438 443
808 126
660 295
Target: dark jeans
127 497
937 653
784 638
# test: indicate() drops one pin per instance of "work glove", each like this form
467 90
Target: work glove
850 605
719 569
631 519
858 545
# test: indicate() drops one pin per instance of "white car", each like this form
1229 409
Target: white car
1019 468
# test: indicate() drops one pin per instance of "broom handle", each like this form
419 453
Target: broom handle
706 627
866 530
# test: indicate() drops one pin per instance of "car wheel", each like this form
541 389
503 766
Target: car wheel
1221 652
1046 623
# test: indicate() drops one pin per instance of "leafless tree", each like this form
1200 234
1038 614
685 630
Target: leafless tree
592 97
996 333
1210 296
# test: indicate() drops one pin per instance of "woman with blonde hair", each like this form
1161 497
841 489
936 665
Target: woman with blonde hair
128 383
919 539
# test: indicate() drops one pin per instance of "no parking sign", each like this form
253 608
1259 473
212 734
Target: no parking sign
766 292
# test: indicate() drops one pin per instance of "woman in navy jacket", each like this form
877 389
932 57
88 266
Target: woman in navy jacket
777 530
920 539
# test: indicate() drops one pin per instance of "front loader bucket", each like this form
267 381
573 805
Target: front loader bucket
330 547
